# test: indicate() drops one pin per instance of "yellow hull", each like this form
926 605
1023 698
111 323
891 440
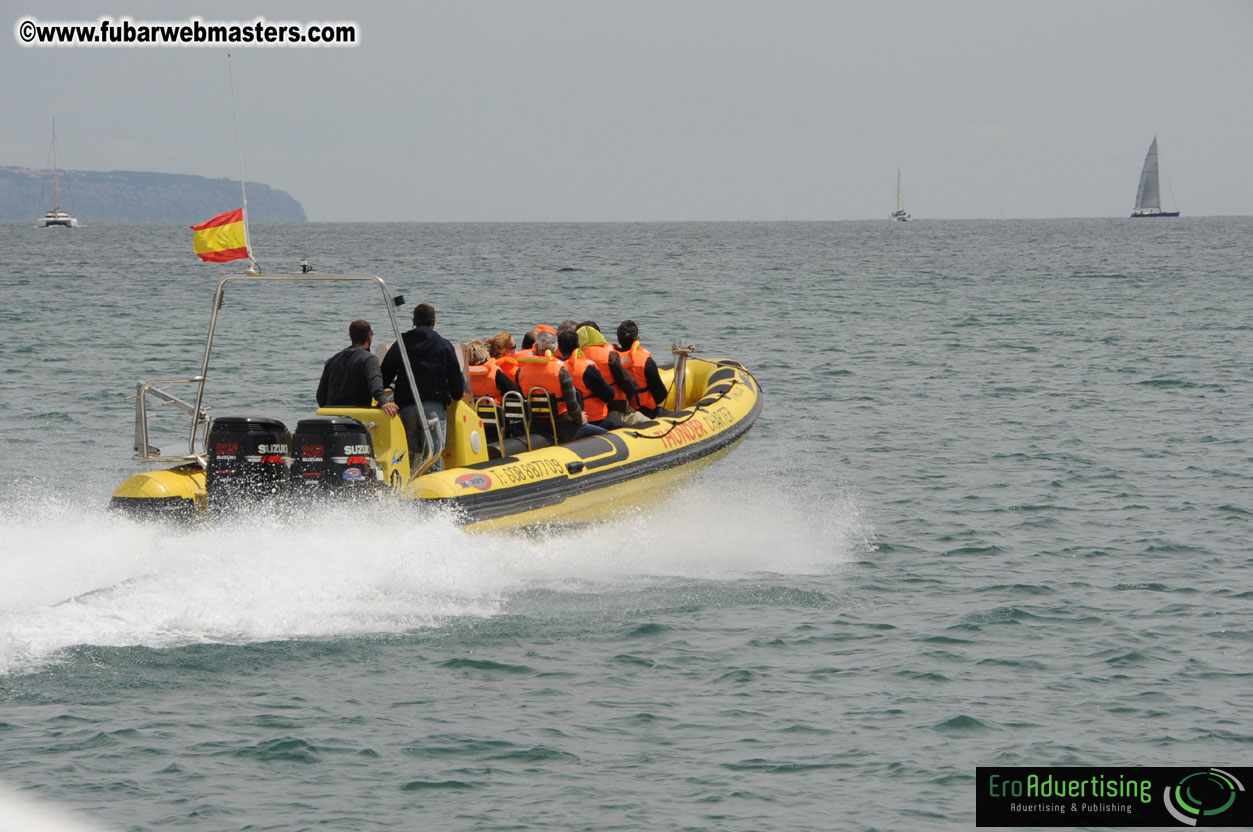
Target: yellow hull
582 481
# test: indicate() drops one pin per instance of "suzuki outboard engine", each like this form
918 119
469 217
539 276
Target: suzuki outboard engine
247 460
333 453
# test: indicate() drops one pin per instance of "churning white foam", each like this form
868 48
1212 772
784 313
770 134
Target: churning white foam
71 576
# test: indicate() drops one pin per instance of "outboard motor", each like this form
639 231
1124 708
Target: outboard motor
333 453
247 460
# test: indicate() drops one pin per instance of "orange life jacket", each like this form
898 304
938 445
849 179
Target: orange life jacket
595 407
633 361
483 380
542 371
599 355
509 364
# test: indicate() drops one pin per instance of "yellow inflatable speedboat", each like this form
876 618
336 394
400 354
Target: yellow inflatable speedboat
488 479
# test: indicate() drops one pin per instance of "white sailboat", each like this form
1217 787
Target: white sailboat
56 216
900 214
1149 195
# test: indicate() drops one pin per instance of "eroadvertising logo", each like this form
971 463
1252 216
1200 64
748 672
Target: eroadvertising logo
1113 796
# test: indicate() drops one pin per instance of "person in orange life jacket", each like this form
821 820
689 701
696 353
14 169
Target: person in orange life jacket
528 340
502 349
593 344
437 373
639 364
487 378
541 369
595 391
351 377
607 361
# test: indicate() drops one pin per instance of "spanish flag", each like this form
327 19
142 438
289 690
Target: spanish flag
221 238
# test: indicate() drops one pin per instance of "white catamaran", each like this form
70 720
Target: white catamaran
900 214
1149 196
56 216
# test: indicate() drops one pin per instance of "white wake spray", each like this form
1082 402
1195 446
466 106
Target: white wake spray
72 576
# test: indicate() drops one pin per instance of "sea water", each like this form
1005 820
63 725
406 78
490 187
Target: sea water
996 511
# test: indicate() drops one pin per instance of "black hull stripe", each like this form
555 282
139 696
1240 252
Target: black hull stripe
473 508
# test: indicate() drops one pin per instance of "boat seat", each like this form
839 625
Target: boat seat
541 405
513 411
492 416
515 445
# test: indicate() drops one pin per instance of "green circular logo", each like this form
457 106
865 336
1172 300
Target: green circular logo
1202 795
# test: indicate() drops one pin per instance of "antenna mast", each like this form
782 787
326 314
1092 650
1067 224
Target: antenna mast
253 268
56 199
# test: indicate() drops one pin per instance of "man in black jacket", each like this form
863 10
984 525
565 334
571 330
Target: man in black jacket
437 373
351 377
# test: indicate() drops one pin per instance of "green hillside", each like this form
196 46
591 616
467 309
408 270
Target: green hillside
136 196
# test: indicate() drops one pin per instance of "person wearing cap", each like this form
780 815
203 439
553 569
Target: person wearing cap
352 377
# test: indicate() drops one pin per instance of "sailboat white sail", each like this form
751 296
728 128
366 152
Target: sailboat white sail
56 216
900 214
1149 195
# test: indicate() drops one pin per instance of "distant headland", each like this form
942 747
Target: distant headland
137 196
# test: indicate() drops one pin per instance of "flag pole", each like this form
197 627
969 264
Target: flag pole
253 268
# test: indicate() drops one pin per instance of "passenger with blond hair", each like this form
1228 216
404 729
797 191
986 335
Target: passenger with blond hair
487 378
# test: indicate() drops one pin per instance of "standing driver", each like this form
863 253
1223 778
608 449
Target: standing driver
437 373
352 377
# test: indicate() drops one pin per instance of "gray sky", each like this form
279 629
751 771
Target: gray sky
667 109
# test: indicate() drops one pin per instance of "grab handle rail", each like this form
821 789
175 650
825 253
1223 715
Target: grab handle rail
143 390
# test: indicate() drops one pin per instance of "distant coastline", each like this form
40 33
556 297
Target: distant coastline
139 196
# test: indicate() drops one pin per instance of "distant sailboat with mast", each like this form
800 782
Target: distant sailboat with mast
1149 196
56 216
900 214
